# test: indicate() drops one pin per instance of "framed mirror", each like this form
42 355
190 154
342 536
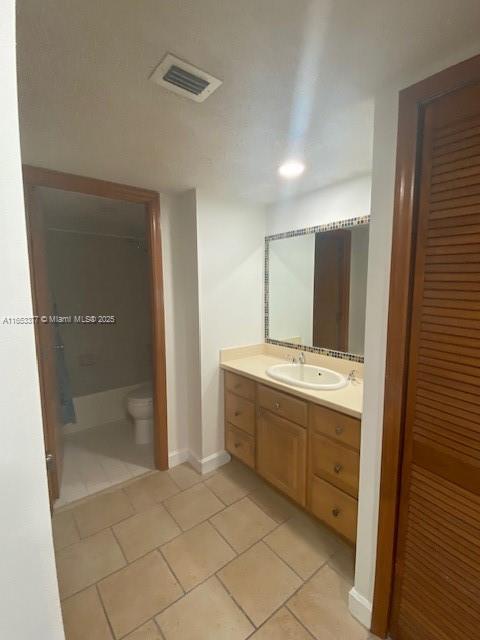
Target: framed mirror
315 288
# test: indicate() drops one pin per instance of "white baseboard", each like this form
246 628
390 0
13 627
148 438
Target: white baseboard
99 408
177 457
210 463
360 607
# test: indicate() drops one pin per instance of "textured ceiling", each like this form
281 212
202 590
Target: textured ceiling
298 78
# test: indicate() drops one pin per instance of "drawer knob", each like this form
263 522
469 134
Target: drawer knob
335 512
339 431
237 413
338 467
237 444
276 405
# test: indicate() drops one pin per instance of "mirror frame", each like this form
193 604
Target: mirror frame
330 226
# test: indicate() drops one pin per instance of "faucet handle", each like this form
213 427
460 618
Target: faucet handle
352 376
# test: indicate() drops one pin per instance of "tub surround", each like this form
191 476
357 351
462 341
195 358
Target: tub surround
253 361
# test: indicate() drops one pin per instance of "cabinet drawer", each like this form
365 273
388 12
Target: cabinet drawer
335 463
282 404
240 385
240 445
334 507
240 412
281 454
335 425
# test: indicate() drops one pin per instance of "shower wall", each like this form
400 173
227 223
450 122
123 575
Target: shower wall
109 276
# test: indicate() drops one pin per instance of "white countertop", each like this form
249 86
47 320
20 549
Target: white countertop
348 400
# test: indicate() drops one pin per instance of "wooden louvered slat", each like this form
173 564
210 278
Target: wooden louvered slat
442 179
437 584
457 144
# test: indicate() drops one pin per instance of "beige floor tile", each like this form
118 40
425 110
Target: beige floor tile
343 561
259 581
197 554
304 544
185 476
148 631
243 524
274 504
193 506
145 531
282 626
84 618
65 530
84 563
206 613
102 511
138 592
232 482
226 488
322 606
151 490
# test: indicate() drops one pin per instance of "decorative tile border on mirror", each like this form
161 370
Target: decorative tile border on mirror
329 226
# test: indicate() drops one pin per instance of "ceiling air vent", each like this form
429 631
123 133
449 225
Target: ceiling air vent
184 79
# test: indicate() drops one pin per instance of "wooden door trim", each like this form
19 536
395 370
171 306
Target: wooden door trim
411 103
39 177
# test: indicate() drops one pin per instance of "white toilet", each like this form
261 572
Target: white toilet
140 407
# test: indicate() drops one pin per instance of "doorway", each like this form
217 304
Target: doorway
428 549
52 198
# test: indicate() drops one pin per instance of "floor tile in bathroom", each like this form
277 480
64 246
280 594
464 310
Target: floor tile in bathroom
145 531
102 511
193 506
206 613
260 582
243 524
282 626
101 457
197 554
322 606
303 544
136 593
84 617
177 564
84 563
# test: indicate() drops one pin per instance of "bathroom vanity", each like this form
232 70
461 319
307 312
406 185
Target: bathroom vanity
306 450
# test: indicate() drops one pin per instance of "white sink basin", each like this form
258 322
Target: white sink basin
307 376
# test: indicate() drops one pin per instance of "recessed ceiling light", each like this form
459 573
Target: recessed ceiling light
291 169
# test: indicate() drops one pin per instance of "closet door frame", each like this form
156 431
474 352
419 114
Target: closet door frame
40 177
412 101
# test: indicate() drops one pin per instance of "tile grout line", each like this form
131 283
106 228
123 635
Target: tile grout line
102 604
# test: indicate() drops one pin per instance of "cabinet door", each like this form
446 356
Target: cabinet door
281 454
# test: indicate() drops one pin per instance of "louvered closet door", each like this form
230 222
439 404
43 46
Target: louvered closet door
437 574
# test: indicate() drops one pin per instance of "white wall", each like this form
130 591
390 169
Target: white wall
348 199
230 239
383 180
29 603
180 274
291 275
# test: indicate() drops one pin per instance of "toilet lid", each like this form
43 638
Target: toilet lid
143 392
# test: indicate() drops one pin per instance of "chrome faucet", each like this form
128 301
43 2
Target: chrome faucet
301 358
352 376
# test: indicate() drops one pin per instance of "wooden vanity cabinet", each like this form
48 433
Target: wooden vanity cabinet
240 429
308 452
282 454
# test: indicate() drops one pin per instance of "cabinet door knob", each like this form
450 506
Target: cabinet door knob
335 512
339 431
237 444
237 413
276 405
338 467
